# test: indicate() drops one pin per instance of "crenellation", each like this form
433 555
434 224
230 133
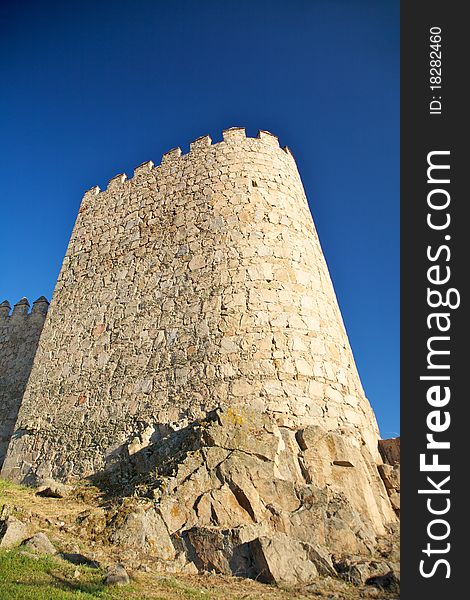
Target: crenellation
200 143
171 155
144 168
232 135
88 198
5 309
94 191
116 181
21 308
268 137
288 151
40 306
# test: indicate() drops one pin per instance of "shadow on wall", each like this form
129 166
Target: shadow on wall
19 338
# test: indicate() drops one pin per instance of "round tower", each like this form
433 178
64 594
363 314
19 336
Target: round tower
198 283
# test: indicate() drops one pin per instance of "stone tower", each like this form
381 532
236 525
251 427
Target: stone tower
198 284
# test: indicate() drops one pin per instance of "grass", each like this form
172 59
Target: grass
24 577
29 577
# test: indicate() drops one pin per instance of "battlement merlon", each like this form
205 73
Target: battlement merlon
40 306
21 307
231 136
200 143
144 168
5 309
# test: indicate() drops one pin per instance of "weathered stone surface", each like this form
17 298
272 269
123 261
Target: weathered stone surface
390 476
282 560
116 575
216 500
390 451
390 581
12 532
40 543
394 500
48 488
390 470
210 549
374 572
145 530
19 337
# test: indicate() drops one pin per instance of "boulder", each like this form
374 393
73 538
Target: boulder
48 488
145 530
12 532
40 543
359 571
210 549
281 560
116 575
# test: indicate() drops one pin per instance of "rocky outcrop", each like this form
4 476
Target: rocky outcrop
390 451
390 470
237 494
360 571
48 488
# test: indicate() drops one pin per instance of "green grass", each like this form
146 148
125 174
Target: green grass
188 592
6 486
41 577
45 578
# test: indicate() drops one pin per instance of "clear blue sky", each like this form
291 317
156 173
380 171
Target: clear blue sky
92 89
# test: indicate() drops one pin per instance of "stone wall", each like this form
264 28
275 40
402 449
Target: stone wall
19 337
198 283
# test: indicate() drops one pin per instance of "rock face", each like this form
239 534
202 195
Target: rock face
390 451
282 560
390 470
238 494
146 530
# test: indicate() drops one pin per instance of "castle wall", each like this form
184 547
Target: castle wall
200 282
19 337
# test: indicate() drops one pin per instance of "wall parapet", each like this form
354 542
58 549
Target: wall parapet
231 136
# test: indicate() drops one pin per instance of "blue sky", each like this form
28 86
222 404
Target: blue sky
92 89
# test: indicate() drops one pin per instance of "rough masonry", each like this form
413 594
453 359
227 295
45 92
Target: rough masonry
193 315
19 337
